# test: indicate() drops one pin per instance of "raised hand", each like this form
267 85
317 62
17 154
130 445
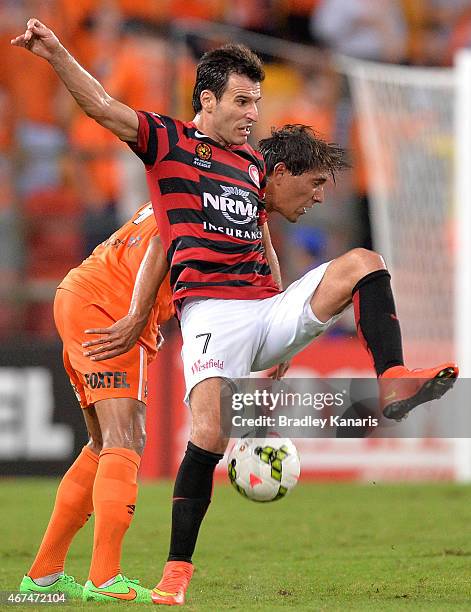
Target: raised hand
86 90
38 39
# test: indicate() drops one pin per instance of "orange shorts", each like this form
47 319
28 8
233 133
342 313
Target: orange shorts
122 376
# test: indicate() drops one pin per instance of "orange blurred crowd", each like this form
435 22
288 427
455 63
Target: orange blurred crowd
66 183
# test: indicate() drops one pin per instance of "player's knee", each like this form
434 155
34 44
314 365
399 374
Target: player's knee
119 437
363 261
130 437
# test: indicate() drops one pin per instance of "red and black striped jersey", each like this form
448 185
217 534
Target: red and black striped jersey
208 203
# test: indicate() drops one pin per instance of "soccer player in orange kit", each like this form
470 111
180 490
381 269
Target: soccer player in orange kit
112 395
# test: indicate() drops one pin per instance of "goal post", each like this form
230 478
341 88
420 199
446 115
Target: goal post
463 210
462 259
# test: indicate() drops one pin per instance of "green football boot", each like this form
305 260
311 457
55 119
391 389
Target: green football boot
64 584
122 589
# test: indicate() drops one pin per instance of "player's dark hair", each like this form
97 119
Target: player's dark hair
302 150
215 67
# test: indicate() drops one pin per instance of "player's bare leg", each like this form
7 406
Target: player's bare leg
206 426
95 438
193 488
122 425
361 276
72 508
334 292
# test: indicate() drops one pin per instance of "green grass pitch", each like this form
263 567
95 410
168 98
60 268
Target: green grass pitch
325 547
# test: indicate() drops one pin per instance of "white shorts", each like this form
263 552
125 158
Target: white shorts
231 338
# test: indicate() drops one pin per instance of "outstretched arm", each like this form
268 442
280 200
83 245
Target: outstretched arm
87 91
120 337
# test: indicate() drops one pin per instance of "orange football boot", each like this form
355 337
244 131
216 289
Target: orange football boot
175 580
401 389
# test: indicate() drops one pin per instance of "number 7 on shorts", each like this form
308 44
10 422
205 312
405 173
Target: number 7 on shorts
206 342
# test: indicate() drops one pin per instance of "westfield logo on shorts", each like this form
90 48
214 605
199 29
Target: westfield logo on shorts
200 365
107 380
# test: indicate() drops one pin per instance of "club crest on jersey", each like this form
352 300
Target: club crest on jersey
254 175
203 155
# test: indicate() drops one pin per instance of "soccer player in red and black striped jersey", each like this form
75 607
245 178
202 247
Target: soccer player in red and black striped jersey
208 200
207 187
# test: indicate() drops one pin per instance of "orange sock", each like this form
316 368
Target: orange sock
114 499
72 509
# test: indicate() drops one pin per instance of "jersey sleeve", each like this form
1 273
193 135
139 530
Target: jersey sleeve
156 135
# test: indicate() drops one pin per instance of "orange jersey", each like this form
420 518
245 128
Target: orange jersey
106 278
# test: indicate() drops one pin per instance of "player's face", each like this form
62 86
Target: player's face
233 116
293 196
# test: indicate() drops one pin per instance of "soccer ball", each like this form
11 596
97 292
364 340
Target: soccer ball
263 469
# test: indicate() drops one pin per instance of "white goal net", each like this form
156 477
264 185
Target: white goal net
416 137
406 121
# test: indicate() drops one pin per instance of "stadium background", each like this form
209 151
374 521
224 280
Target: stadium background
66 184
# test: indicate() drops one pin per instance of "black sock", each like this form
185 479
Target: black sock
375 317
191 498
